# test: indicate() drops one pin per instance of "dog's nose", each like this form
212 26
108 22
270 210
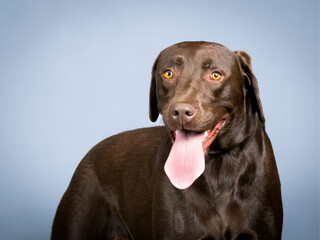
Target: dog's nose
182 112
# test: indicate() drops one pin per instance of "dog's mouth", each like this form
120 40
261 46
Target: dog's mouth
186 162
208 136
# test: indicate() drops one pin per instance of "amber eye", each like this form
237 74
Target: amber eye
168 74
215 76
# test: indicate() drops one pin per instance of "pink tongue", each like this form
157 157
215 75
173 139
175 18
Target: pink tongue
186 160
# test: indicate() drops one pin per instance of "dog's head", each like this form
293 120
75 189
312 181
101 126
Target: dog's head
205 90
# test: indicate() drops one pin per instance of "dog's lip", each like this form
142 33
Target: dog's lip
208 135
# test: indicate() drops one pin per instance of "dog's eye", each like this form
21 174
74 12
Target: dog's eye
215 76
168 74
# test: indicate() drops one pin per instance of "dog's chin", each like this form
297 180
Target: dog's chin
209 135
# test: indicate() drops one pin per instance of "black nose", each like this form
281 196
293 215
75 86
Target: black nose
182 112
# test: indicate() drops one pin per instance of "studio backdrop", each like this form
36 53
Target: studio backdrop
75 72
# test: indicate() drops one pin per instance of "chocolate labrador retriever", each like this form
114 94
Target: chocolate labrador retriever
210 173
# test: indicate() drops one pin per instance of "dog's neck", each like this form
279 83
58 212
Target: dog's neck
236 134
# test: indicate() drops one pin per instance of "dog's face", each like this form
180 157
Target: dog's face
197 85
208 98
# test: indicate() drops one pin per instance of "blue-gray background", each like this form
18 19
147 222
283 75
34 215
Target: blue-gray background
75 72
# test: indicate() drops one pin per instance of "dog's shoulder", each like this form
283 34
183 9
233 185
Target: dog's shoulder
134 138
127 147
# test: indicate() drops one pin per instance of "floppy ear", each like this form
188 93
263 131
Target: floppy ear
245 62
153 102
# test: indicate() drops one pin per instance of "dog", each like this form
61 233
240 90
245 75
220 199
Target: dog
209 173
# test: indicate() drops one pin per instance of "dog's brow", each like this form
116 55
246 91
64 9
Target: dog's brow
207 63
179 61
176 61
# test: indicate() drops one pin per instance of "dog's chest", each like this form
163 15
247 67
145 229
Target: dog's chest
212 206
212 216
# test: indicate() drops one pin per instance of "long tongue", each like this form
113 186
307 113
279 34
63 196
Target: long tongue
186 160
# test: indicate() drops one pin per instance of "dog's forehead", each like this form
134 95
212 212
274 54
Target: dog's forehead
199 51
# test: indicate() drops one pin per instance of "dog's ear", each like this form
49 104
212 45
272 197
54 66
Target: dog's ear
153 102
245 62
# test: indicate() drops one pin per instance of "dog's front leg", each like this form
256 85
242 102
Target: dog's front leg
87 211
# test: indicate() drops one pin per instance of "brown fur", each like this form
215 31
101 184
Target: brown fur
120 190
